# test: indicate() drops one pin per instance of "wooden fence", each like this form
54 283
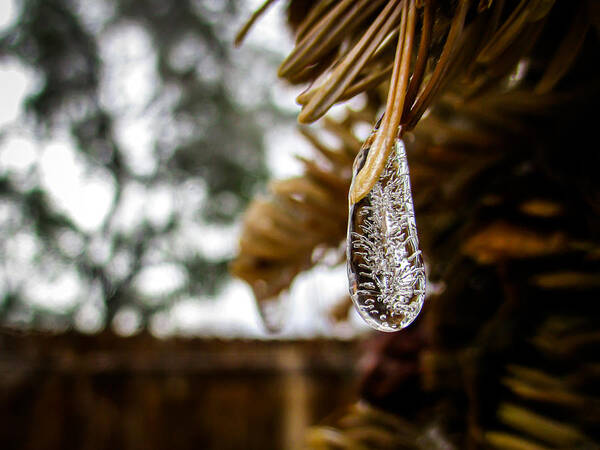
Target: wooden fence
104 392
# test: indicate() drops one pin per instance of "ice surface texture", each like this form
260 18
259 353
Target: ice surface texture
385 267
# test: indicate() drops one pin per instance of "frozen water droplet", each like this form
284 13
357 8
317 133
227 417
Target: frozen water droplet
385 267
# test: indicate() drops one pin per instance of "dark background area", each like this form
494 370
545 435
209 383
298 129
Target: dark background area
106 392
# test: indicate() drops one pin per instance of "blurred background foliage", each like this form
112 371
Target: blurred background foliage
141 103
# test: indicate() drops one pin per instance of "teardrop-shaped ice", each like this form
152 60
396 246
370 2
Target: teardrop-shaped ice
385 268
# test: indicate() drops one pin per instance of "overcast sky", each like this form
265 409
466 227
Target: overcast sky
86 197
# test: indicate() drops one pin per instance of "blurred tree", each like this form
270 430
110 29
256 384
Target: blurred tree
143 90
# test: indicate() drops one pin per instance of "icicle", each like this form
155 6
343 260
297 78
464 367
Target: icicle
385 268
